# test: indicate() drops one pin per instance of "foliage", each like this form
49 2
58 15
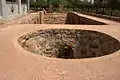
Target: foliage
56 3
43 3
113 4
35 4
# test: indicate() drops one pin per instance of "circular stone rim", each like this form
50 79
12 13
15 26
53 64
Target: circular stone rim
91 58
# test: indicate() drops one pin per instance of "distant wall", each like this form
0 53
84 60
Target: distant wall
24 8
10 10
0 10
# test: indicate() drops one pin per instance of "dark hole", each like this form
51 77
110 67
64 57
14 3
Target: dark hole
65 51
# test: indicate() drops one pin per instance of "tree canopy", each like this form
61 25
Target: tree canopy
114 4
78 3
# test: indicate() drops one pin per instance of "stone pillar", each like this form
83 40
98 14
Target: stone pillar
19 6
41 17
28 5
2 4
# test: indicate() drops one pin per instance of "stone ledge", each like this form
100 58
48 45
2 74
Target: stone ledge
105 16
78 18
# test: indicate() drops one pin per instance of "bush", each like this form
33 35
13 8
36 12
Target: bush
35 5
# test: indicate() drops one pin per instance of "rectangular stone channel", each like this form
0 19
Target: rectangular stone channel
69 18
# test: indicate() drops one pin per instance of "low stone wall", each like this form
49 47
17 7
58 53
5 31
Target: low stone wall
55 18
75 18
26 19
105 16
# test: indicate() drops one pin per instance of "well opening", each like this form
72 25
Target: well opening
69 43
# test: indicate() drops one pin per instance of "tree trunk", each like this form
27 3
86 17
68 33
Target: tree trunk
103 10
88 9
96 10
111 12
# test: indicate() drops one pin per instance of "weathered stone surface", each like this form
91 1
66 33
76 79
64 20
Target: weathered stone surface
55 18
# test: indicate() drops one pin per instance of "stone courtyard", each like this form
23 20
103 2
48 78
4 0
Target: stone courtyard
88 48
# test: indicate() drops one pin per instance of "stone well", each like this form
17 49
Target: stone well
69 43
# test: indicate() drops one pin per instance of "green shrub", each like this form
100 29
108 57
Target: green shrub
35 4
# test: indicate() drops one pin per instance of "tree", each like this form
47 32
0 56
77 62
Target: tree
113 4
35 5
43 3
55 3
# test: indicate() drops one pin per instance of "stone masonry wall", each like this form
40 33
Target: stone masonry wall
55 18
74 18
69 18
26 19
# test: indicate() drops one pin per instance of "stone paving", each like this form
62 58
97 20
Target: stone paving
19 64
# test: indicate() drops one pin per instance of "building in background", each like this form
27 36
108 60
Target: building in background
13 8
